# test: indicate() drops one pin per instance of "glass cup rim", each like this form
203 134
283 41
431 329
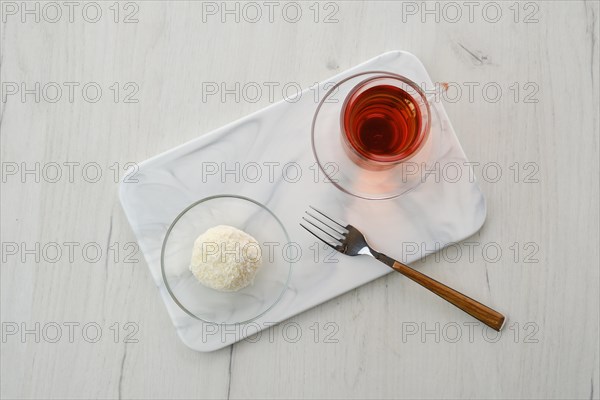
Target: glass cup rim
423 131
168 233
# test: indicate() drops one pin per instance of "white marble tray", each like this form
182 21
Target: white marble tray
438 212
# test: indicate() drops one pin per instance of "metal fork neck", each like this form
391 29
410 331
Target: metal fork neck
383 258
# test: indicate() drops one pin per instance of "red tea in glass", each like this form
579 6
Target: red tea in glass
385 121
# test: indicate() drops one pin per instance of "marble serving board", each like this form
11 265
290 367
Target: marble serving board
276 142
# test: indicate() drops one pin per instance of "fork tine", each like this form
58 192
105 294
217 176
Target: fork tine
318 237
329 218
322 230
324 223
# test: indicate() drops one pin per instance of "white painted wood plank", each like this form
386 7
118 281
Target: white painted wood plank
169 54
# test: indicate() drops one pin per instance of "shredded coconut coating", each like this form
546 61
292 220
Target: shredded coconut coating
225 258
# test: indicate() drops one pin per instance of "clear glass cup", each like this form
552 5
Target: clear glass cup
403 103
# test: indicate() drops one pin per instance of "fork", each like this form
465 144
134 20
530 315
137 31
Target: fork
350 241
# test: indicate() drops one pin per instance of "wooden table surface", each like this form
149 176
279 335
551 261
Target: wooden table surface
90 88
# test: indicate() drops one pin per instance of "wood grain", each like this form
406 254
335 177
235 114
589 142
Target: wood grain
481 312
386 339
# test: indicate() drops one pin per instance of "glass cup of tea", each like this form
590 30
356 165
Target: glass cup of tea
384 120
375 134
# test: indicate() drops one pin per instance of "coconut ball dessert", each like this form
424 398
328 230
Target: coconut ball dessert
225 258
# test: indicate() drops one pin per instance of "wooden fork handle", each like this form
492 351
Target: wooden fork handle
483 313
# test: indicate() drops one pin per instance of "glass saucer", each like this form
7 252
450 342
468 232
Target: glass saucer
210 305
346 174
